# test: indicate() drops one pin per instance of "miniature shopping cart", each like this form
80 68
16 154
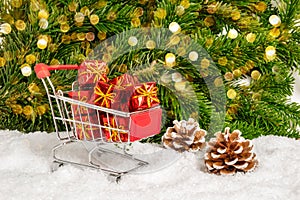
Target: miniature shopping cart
95 136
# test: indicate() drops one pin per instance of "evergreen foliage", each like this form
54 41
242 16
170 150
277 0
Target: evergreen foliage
260 106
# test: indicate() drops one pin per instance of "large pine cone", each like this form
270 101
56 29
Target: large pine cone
184 136
229 153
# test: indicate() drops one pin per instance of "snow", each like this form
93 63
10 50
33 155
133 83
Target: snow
26 159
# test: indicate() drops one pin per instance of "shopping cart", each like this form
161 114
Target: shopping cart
104 146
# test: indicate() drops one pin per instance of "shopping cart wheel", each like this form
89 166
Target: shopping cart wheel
55 165
114 178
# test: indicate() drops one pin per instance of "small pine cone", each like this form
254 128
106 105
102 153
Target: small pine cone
184 136
229 153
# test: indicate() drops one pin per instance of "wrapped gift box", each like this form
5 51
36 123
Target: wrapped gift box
123 93
87 127
144 97
90 72
115 93
83 96
105 94
112 123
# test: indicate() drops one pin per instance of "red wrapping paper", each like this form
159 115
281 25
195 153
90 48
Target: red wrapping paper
88 129
104 94
116 93
124 87
84 96
144 97
124 93
124 80
118 123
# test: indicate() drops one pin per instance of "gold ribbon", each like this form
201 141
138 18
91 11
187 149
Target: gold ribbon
81 109
105 98
98 74
150 94
114 136
86 128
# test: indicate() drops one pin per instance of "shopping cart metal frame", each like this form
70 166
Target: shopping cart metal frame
66 116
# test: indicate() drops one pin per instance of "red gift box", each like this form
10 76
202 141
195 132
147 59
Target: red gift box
124 93
87 127
113 123
83 96
143 124
116 93
90 72
144 97
124 87
104 94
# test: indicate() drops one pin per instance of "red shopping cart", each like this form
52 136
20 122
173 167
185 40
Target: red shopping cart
84 126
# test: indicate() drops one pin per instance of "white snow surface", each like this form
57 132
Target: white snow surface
25 161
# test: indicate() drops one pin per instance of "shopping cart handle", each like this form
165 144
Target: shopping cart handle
42 70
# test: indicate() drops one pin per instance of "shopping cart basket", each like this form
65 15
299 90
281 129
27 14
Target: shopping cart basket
104 138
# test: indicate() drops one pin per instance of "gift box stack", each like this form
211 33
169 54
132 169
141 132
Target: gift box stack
123 93
86 119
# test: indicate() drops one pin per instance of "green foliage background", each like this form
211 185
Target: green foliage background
261 108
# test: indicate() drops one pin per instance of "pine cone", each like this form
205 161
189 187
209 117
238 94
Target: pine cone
184 136
229 153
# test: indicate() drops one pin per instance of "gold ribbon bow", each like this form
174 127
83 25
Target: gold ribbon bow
105 98
150 94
